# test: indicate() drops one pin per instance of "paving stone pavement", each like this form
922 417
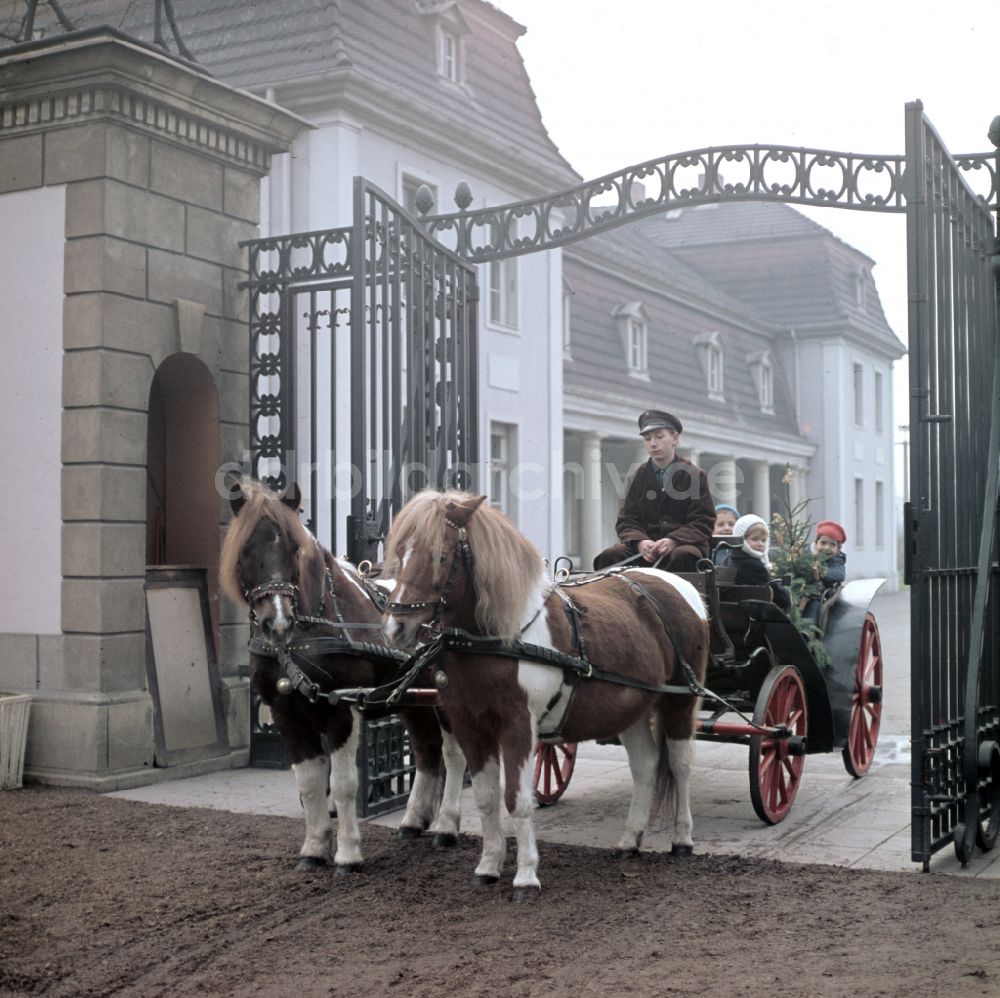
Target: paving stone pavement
834 819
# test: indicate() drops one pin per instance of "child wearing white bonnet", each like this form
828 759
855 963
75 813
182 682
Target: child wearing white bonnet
753 568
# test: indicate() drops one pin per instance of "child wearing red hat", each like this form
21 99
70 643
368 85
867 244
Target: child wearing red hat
828 570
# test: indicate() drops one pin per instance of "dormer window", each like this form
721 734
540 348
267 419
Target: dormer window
449 31
763 379
709 346
860 287
633 328
447 54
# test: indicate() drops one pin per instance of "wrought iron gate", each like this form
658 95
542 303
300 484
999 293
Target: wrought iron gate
363 369
950 535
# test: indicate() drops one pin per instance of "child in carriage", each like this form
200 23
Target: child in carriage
725 519
829 569
753 568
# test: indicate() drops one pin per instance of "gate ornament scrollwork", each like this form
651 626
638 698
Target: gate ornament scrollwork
819 177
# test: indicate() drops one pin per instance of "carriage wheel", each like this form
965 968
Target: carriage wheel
776 763
553 768
866 705
989 796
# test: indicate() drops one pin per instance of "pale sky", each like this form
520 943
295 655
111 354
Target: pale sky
622 81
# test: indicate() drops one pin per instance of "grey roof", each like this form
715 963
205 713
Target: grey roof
623 266
781 264
391 42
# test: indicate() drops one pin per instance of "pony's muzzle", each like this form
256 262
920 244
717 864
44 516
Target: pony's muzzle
399 631
275 618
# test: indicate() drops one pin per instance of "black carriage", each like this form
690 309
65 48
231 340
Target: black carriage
770 691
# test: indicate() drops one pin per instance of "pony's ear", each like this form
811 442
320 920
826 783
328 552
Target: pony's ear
237 497
293 497
461 512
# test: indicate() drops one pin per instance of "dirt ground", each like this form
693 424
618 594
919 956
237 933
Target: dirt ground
100 896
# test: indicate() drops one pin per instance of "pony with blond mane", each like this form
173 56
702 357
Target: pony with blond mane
295 588
513 653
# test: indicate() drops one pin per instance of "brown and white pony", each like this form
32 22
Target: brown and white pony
271 562
460 564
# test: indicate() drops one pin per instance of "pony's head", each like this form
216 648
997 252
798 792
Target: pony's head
263 555
456 561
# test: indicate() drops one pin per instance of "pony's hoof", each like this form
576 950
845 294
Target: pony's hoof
308 864
346 869
485 879
408 832
444 840
681 851
526 895
627 853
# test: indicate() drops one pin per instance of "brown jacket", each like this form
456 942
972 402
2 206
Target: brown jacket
683 509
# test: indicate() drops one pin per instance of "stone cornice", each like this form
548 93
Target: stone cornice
103 75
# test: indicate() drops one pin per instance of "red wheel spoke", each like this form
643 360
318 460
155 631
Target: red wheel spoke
866 715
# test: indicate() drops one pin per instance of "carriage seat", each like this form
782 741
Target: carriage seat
720 647
827 600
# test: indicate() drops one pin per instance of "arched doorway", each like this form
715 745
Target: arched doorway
182 458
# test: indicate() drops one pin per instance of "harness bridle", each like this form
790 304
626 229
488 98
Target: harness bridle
461 555
291 653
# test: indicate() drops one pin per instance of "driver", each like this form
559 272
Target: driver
668 513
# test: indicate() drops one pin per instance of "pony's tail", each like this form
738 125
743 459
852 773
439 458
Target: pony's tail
665 792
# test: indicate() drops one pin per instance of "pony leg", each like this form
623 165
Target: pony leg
421 804
680 752
311 778
527 886
643 757
425 740
344 780
449 816
486 790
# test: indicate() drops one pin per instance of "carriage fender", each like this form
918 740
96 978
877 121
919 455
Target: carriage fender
787 647
843 643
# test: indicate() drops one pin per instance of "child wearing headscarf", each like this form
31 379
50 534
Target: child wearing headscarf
753 568
828 570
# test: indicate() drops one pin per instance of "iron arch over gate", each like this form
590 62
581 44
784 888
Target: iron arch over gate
415 296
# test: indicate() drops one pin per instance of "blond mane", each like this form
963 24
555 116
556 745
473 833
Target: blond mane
507 567
262 502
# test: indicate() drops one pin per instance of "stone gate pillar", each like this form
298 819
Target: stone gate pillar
137 176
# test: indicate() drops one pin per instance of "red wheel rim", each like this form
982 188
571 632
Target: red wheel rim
553 768
774 772
866 714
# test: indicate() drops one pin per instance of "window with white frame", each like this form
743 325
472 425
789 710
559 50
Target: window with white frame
879 403
859 395
448 54
501 459
709 347
572 490
859 512
503 292
633 328
763 377
449 27
880 514
567 301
